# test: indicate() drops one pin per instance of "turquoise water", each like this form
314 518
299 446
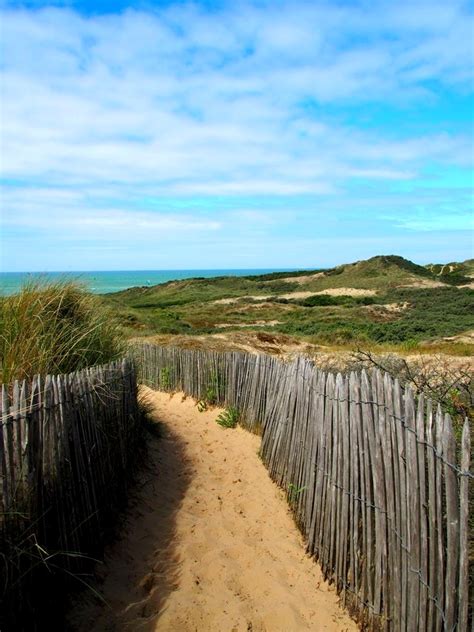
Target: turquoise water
103 282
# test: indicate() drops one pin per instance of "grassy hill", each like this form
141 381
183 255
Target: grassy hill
382 300
453 273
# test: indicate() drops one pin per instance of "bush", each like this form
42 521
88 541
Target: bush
438 377
321 300
56 327
228 418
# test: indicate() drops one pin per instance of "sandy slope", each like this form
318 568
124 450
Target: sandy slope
209 543
335 291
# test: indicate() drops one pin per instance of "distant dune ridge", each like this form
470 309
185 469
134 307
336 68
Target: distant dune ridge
382 300
371 273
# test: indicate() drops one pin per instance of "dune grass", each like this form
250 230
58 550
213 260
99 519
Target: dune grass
54 327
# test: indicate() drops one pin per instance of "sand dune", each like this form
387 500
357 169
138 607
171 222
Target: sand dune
209 543
257 323
301 280
336 291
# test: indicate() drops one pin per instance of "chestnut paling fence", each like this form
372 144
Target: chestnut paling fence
377 482
67 444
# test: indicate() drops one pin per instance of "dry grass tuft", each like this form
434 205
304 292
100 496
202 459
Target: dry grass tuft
55 327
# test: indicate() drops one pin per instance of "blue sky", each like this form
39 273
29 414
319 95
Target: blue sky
169 135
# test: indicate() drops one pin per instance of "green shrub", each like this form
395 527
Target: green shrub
165 378
321 300
211 392
53 328
293 493
228 418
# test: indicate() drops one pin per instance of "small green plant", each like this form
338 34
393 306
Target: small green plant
294 492
228 418
211 394
165 378
202 405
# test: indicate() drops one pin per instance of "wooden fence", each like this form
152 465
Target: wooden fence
376 480
66 446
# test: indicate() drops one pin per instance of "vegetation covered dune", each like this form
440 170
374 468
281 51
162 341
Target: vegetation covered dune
384 301
414 321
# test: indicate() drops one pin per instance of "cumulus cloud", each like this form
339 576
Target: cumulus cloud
249 99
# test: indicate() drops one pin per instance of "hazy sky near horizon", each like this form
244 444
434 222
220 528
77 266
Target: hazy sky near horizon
177 135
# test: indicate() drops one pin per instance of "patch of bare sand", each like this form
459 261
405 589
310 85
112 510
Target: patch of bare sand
288 347
301 280
209 545
348 291
467 337
335 291
424 283
396 308
250 341
236 299
260 342
296 295
257 323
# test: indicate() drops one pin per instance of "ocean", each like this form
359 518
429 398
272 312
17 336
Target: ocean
103 282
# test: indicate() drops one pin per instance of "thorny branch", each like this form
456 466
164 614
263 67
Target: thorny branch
446 382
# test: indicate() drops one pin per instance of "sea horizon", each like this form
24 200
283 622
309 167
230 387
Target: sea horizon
108 281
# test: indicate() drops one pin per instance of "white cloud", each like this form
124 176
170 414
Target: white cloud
69 213
173 96
101 112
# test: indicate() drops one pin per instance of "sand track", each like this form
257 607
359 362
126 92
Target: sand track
208 544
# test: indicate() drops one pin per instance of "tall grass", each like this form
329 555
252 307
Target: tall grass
54 327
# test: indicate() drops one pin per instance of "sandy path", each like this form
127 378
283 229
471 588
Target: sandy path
209 544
